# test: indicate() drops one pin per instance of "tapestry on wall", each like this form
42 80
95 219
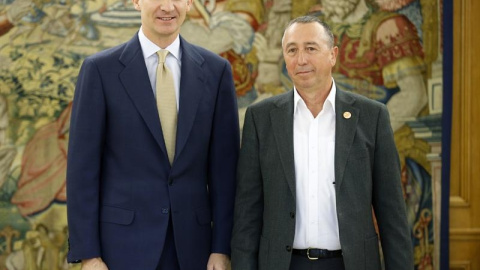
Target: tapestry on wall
389 50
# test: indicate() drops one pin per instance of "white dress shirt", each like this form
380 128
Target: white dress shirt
173 61
314 151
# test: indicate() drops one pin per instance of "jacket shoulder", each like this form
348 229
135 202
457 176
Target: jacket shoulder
359 100
107 54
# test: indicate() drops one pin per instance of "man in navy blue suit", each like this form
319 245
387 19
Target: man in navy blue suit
129 206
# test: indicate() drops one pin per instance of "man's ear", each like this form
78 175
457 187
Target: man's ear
189 4
334 54
135 4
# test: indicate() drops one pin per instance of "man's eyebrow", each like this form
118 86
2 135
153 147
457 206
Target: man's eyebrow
290 44
305 43
310 43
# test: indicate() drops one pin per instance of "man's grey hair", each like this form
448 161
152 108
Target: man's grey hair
312 19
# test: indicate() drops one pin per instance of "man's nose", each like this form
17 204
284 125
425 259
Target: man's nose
302 57
166 5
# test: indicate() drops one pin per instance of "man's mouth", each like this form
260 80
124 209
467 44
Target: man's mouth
165 18
303 72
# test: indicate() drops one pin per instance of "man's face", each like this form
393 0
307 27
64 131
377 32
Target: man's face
309 58
161 19
338 8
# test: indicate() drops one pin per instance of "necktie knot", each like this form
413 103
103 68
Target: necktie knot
162 55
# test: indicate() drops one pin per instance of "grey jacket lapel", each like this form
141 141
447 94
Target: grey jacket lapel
344 132
282 124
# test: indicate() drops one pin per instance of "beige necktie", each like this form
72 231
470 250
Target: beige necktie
166 104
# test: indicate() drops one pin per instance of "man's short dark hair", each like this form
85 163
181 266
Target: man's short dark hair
313 19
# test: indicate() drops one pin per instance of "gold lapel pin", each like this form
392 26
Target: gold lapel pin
347 115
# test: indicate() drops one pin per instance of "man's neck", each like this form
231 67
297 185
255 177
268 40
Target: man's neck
161 41
315 99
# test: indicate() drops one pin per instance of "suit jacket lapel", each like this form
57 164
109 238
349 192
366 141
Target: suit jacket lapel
137 84
282 125
345 132
191 82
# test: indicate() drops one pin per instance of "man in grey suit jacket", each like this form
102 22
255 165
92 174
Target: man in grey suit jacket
314 163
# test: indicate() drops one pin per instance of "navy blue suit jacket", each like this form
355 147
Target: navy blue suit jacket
121 188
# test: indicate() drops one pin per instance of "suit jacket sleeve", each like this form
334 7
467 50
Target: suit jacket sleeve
249 200
388 201
83 168
223 155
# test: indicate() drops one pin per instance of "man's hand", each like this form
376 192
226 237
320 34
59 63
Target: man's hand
94 264
218 261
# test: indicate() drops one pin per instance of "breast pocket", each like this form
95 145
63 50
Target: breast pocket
358 171
358 159
358 152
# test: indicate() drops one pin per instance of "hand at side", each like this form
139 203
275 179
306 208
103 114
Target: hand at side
218 261
94 264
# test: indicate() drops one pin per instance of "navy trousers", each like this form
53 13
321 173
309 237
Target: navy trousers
169 259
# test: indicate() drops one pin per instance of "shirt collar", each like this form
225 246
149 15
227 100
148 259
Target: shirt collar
330 98
149 48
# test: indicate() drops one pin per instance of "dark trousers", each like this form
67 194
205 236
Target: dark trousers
299 262
169 260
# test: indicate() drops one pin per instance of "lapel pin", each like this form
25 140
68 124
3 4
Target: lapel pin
347 115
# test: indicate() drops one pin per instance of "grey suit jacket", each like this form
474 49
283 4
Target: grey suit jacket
367 174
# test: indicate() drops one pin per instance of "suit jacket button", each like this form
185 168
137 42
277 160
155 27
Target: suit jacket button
288 248
292 214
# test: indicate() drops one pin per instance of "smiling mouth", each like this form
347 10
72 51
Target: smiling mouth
165 19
